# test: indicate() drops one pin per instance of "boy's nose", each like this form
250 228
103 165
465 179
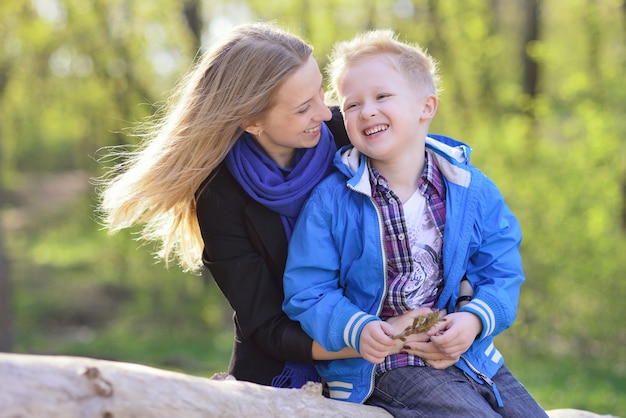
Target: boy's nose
368 110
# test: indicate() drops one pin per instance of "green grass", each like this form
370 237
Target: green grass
191 354
559 382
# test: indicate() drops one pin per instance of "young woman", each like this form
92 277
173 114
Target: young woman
219 181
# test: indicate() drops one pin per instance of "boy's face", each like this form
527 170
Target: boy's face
386 117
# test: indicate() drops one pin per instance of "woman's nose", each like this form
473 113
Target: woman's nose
323 111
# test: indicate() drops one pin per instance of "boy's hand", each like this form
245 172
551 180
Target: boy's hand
375 342
455 335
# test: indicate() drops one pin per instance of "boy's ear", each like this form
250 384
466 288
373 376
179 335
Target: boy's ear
430 107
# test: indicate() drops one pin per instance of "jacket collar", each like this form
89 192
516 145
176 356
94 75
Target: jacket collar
451 157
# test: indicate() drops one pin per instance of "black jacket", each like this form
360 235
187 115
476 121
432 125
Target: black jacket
245 251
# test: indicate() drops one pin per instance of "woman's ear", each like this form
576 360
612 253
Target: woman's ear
251 126
430 107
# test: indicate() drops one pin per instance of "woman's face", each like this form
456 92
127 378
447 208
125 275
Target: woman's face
296 118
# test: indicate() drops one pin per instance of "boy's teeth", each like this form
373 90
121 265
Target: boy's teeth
375 130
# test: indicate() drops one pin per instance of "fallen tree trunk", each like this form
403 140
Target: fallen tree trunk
68 387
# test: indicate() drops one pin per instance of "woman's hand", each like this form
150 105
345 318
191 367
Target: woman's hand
430 353
400 323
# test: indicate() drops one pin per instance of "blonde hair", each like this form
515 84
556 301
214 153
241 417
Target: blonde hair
155 186
409 59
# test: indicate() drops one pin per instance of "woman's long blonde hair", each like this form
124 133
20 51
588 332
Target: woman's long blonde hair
155 184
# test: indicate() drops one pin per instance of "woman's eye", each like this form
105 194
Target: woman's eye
303 110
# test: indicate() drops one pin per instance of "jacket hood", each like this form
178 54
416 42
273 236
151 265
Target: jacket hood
351 162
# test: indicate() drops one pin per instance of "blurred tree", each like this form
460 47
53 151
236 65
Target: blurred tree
193 16
6 314
6 333
531 36
6 322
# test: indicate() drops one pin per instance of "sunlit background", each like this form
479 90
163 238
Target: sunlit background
536 87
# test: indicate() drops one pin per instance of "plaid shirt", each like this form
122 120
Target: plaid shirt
398 248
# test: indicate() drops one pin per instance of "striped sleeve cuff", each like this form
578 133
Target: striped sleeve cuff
486 315
352 331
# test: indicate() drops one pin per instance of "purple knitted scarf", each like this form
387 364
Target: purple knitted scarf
284 191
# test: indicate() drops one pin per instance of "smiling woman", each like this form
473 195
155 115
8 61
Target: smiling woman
220 179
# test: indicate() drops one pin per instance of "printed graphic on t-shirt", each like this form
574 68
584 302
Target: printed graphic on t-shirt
420 288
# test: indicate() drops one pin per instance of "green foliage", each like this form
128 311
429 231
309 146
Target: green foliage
76 75
79 292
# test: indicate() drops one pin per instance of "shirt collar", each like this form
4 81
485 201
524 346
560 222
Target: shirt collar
431 179
432 176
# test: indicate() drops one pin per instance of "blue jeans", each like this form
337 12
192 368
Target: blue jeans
427 392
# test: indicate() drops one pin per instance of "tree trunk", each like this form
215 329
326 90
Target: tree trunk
68 387
192 12
78 387
531 34
6 334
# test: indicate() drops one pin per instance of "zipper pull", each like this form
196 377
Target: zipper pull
493 387
487 380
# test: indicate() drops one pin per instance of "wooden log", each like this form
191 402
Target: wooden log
68 387
80 387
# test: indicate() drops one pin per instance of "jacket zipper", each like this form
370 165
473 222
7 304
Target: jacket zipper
487 380
380 303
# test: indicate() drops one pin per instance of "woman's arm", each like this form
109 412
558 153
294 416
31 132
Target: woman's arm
319 353
245 250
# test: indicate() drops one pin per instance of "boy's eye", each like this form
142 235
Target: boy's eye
382 96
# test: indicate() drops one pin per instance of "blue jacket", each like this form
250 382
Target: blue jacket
335 278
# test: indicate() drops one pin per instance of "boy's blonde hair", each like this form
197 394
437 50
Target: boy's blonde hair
412 61
156 185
